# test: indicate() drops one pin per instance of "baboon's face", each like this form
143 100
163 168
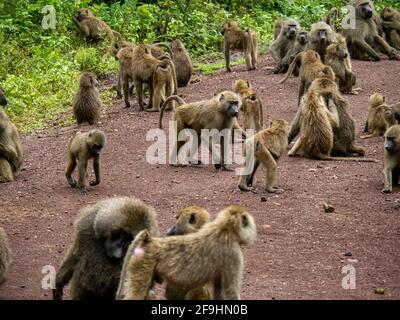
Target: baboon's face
387 13
341 51
322 36
96 143
392 139
224 28
189 220
117 244
302 38
291 30
3 99
82 14
231 103
365 10
387 110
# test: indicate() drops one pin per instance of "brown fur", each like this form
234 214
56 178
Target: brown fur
278 25
5 256
251 105
281 48
362 40
218 113
269 145
103 232
321 36
391 26
10 145
302 39
82 147
236 38
210 256
391 170
332 17
87 103
183 63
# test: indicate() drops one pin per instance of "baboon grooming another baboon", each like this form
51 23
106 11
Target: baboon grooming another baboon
82 147
103 233
10 145
87 103
281 48
218 113
5 256
391 26
210 256
183 63
365 36
251 106
321 36
236 38
269 144
391 170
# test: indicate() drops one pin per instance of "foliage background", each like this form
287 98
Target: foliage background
39 68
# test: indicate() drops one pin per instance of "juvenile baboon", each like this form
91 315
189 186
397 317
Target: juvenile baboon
218 113
321 36
311 68
210 256
10 145
236 38
82 147
391 170
103 233
331 18
251 105
183 63
300 45
391 26
5 256
362 39
189 220
87 103
281 48
269 144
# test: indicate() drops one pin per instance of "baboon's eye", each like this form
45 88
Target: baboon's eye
245 222
192 219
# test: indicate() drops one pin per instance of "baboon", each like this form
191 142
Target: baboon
365 36
391 170
5 256
281 48
391 26
218 113
210 256
269 144
321 36
189 220
251 105
10 145
278 24
331 18
87 103
183 63
299 46
236 38
311 67
103 233
82 147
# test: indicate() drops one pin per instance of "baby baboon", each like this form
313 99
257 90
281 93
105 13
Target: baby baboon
87 103
251 106
391 26
365 36
218 113
210 256
391 170
103 233
183 63
82 147
10 145
236 38
189 220
5 256
281 48
321 36
269 145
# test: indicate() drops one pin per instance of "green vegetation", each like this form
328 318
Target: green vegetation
39 68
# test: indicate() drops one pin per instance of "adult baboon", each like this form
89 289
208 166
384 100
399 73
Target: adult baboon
87 103
10 145
103 233
218 113
236 38
300 45
5 256
362 39
183 63
251 105
210 256
281 48
321 36
82 147
391 170
391 26
269 144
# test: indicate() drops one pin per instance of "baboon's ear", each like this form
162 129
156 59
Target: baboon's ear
222 97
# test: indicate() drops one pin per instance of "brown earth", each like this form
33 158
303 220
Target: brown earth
300 250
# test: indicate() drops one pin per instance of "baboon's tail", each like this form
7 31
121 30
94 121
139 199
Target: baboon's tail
352 159
291 68
168 100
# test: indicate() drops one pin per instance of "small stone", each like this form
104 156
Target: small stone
348 254
380 291
328 208
263 199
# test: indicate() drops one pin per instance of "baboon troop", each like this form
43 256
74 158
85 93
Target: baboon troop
103 233
5 256
236 38
82 147
210 256
87 103
391 170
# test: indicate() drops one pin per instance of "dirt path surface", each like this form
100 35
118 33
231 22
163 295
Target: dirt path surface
300 250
